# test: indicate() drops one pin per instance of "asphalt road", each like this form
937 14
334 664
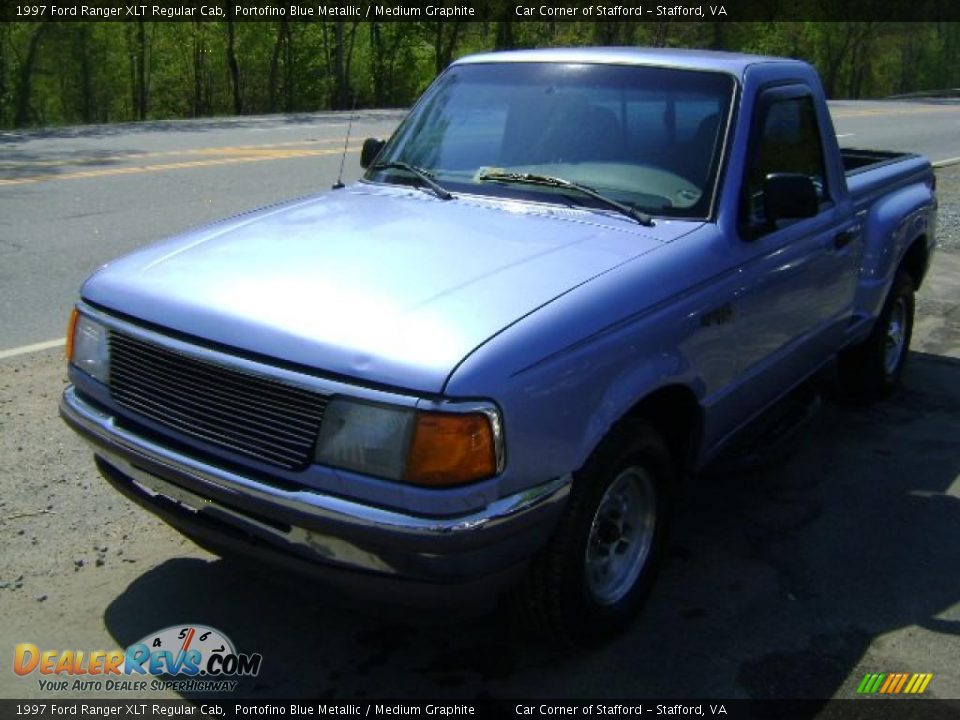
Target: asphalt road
928 127
73 198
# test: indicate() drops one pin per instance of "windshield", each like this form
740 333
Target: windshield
647 137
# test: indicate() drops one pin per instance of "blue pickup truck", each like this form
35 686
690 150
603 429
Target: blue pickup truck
569 280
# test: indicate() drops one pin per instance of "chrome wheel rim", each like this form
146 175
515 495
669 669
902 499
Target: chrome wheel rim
896 334
621 536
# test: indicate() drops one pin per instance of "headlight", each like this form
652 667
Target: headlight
87 346
371 439
423 448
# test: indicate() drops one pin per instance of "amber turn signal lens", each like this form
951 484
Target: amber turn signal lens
71 329
451 449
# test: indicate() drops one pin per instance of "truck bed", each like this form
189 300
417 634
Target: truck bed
872 174
856 161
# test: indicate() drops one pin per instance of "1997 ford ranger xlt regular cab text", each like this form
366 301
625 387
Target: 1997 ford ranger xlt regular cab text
569 279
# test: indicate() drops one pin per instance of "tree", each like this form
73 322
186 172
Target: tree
445 36
504 39
52 72
23 114
282 50
232 63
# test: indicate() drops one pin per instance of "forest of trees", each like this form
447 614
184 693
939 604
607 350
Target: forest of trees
54 73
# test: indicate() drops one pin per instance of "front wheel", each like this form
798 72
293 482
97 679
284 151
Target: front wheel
872 369
592 579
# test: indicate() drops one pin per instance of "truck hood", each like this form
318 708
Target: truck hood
383 284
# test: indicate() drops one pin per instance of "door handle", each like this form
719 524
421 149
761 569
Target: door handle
844 238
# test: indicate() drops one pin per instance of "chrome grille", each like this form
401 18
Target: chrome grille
247 414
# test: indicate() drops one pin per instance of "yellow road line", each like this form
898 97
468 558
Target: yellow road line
162 153
106 172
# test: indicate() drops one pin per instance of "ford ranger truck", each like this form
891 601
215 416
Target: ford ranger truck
568 280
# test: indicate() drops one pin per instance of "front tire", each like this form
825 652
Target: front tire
873 369
593 578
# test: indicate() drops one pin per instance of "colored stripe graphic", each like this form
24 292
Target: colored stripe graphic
894 683
875 685
901 682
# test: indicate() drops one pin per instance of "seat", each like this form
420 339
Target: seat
701 150
578 132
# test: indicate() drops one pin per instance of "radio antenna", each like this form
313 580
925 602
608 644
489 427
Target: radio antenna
339 183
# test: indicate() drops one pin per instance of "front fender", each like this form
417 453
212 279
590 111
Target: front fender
627 389
557 409
564 375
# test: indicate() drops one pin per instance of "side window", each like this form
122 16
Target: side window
789 143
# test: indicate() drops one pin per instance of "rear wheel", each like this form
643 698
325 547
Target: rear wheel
600 566
872 369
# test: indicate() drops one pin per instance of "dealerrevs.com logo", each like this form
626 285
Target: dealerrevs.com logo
193 658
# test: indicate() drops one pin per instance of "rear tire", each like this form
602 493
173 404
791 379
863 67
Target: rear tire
873 369
595 575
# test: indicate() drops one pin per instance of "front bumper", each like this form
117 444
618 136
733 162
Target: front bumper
352 545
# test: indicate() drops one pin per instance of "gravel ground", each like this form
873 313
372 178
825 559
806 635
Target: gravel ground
948 214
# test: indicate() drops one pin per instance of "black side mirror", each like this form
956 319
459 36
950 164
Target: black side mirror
789 196
371 148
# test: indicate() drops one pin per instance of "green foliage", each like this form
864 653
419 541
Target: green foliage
86 72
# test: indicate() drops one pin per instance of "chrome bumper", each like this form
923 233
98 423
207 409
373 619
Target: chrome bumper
190 493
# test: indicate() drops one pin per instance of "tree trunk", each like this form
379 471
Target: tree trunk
23 114
660 32
4 88
88 101
336 59
199 62
141 70
289 76
274 67
504 39
350 94
717 41
232 62
376 63
443 47
339 100
604 32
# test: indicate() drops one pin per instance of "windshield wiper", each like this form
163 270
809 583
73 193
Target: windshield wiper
558 182
419 173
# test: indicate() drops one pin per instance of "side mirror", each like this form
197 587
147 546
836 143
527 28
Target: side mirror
789 196
371 148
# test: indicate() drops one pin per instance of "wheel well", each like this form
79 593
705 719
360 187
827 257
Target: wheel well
675 413
915 260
